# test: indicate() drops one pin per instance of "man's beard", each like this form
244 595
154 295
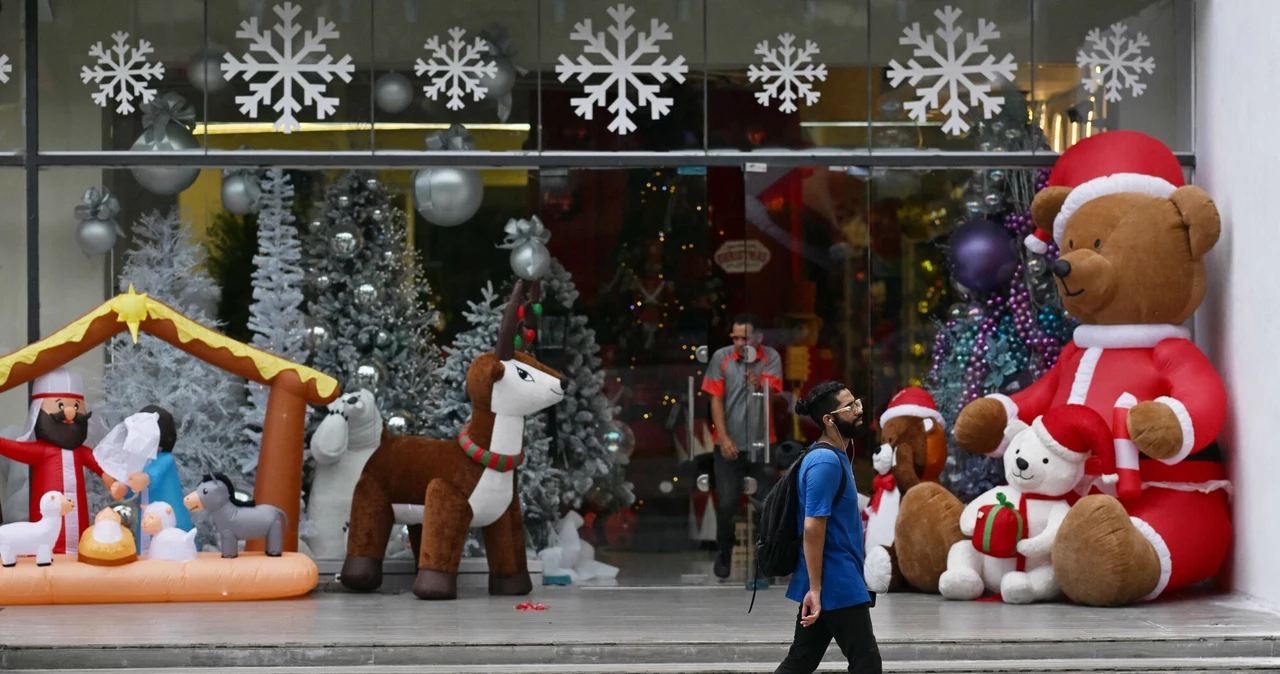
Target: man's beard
56 432
847 429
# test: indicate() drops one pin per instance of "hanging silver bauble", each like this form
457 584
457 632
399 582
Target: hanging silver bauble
167 181
530 260
319 281
383 339
372 183
96 237
503 80
996 176
957 311
1037 266
378 215
398 422
316 226
974 206
316 333
204 70
241 192
344 241
368 375
448 197
366 294
344 201
388 256
992 200
392 93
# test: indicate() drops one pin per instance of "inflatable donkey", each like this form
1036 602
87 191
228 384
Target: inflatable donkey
237 520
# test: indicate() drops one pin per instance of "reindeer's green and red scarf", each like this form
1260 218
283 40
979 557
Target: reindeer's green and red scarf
503 463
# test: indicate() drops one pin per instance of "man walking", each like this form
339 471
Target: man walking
834 602
734 374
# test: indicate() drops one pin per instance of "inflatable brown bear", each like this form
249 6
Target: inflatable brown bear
1133 239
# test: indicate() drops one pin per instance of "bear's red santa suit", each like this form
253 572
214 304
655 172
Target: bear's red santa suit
1179 505
58 408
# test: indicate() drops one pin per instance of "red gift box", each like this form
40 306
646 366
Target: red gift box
999 529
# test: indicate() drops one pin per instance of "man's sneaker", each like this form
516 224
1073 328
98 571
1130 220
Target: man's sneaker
721 567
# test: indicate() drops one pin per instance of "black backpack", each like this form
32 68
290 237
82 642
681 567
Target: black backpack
778 537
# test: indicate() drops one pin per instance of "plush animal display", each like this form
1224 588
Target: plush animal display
470 482
904 459
168 542
107 542
1133 239
341 445
1012 528
237 520
36 538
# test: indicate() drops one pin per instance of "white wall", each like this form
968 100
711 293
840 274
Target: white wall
1238 160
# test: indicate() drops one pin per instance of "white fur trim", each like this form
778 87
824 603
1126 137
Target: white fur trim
1110 478
1084 376
1115 183
1126 455
1061 451
1035 245
71 521
1162 551
910 411
1126 336
1188 431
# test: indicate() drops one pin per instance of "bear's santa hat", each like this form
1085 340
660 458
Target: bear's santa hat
912 401
61 383
1109 163
1072 433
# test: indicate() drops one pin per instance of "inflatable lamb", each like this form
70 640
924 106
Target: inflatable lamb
36 538
168 542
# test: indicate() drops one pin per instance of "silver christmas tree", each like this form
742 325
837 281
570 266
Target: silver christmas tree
166 264
275 317
370 323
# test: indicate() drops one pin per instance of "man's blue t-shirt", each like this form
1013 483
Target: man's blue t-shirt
842 553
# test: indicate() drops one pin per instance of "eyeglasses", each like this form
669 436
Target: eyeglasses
855 407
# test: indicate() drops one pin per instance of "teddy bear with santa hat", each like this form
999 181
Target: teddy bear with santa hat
1012 528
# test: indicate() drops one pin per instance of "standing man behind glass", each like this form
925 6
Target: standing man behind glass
733 374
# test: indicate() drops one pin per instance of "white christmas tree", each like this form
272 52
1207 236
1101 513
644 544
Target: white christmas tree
167 265
589 470
275 316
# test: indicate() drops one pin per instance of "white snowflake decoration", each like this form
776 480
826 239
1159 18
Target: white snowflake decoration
121 73
953 70
459 69
788 67
1115 62
288 68
622 68
5 68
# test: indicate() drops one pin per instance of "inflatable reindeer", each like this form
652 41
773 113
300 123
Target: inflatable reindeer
462 483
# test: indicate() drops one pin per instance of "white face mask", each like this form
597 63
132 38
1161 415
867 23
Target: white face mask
883 459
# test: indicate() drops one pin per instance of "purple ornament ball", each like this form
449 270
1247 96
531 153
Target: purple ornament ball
982 255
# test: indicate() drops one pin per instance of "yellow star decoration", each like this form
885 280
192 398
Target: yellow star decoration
131 309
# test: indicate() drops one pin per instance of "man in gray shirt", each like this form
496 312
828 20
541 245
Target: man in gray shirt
733 374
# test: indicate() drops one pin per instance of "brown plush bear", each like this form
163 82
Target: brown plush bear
1133 239
913 451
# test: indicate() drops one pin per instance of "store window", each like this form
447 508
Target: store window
828 201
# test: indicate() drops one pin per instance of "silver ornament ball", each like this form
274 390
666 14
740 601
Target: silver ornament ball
383 340
398 422
530 260
368 375
378 214
96 236
167 181
503 80
366 294
316 334
204 70
316 226
344 201
241 193
319 282
448 197
372 183
1037 265
392 93
344 241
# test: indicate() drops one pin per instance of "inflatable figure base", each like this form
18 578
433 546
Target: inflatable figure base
250 577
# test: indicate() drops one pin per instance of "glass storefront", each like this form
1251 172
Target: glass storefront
801 160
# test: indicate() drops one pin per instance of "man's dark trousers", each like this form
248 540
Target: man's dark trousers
730 474
850 627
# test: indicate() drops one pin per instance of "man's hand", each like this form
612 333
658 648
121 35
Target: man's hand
811 607
118 489
728 449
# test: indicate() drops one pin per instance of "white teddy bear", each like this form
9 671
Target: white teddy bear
1043 465
341 445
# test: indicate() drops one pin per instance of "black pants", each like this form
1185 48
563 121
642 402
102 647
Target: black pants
729 476
851 628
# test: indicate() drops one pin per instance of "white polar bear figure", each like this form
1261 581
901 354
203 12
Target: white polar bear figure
36 538
1043 465
168 542
341 445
